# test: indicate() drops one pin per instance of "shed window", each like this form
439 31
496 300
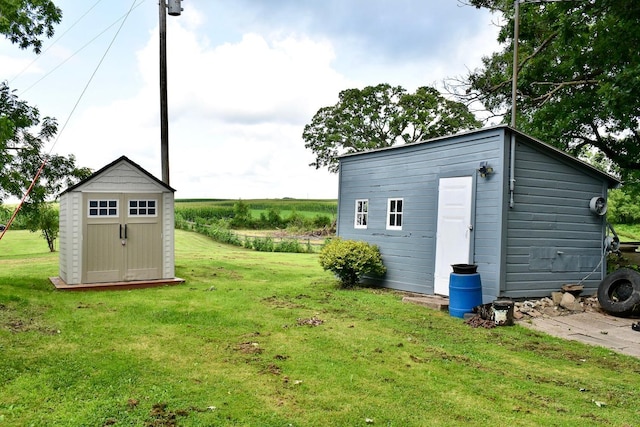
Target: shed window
103 208
142 207
362 214
394 214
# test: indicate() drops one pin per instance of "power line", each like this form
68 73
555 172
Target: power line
54 42
44 161
122 18
95 71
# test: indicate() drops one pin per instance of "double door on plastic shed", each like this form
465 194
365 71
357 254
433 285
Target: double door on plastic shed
122 237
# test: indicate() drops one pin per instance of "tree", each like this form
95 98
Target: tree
23 136
45 220
381 116
578 84
23 133
24 22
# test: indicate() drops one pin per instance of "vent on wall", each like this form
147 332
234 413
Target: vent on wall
598 205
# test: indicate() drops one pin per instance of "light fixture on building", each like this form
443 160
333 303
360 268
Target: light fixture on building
484 170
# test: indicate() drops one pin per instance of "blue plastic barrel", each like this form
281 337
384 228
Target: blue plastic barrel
465 292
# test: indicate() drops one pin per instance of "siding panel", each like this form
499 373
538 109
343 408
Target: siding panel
552 238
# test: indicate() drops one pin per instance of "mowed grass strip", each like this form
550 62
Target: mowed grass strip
267 339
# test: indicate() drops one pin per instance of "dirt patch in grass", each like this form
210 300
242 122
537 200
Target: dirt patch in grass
312 321
228 273
161 416
284 302
17 322
272 369
249 347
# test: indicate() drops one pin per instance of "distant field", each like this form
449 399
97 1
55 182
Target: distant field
223 208
328 206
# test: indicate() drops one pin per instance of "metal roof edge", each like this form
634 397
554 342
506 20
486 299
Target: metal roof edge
612 179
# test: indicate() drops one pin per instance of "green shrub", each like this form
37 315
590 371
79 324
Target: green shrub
180 222
321 221
622 208
218 233
273 219
289 245
263 244
349 260
241 216
296 221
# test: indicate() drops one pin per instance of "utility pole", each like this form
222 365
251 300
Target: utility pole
514 90
516 30
514 79
174 10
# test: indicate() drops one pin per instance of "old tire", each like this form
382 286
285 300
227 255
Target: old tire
619 292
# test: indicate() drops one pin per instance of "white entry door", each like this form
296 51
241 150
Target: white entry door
453 235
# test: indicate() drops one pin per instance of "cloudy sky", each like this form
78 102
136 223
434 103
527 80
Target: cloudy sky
245 76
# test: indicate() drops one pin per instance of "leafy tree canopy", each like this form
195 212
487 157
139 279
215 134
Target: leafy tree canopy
578 75
22 138
25 22
381 116
23 133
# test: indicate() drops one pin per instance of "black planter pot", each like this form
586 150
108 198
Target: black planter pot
464 268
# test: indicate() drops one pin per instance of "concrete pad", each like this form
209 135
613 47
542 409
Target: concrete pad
431 301
592 328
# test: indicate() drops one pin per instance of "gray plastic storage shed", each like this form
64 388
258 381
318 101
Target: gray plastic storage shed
117 226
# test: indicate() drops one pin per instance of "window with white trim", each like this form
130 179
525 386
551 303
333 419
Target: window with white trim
143 207
394 214
102 208
362 213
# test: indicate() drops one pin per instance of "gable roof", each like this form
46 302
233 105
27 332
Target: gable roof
109 166
612 180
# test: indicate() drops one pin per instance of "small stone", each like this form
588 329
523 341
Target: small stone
546 302
556 297
573 289
570 303
567 300
525 309
517 315
534 313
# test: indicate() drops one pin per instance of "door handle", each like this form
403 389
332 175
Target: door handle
125 231
120 230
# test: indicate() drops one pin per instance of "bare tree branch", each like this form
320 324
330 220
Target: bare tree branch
558 86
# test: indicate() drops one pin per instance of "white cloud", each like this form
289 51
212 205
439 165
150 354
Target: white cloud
236 116
243 82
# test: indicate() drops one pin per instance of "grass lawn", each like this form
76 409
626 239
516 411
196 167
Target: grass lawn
266 339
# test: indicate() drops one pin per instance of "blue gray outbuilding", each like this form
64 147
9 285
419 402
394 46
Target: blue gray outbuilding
520 209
